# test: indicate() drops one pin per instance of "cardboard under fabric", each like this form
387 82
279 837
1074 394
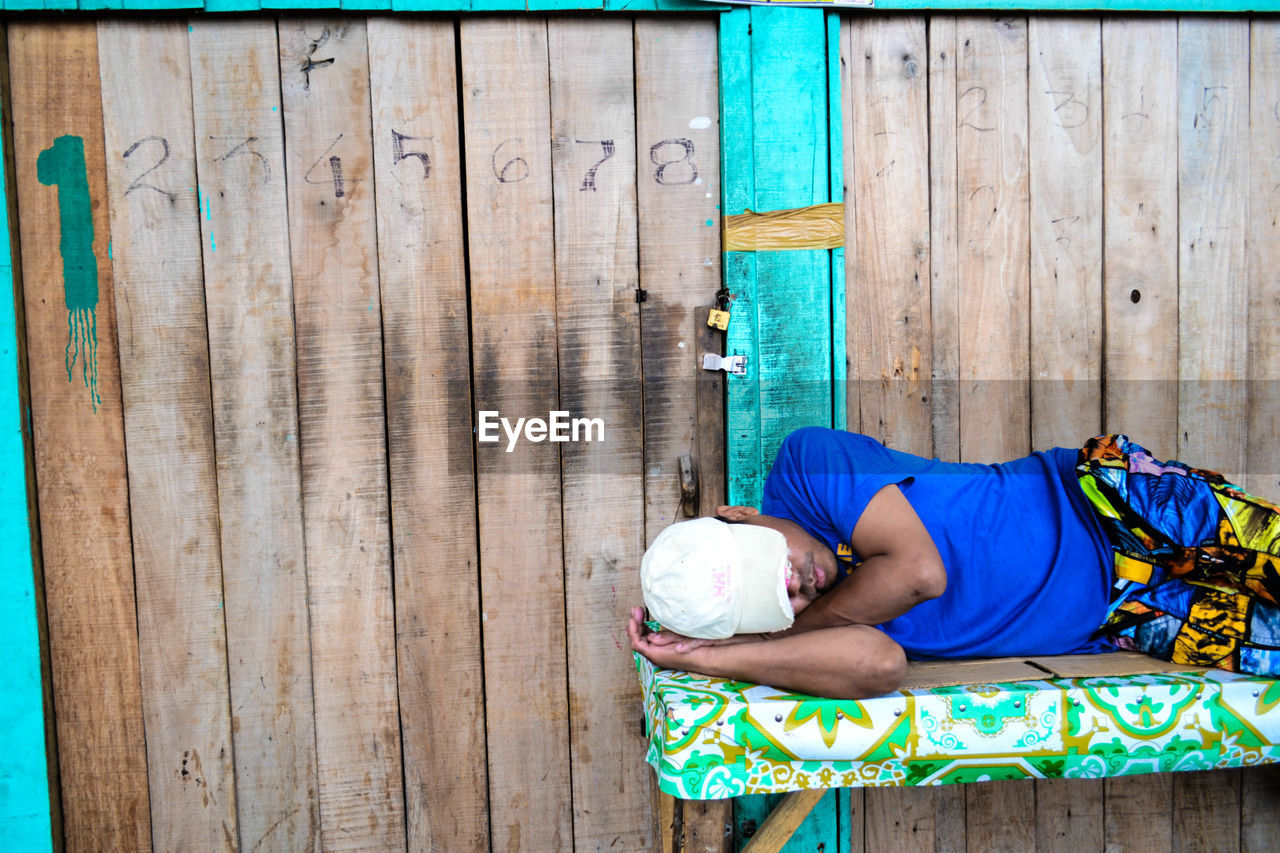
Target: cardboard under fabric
1085 717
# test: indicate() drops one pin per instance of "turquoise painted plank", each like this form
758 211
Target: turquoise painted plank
97 5
430 5
300 4
24 781
818 832
156 5
497 5
844 820
367 5
737 179
231 5
775 123
691 6
835 138
630 5
554 5
22 5
60 5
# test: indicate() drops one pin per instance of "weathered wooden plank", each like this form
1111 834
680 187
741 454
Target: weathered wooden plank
676 95
509 213
930 820
993 235
324 77
1259 808
1263 472
887 228
676 99
1213 192
1139 807
421 259
1065 138
1206 811
1140 271
164 374
78 434
944 275
998 816
598 338
29 810
1069 815
249 295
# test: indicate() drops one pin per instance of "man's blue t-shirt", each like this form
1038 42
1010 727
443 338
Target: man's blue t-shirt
1028 569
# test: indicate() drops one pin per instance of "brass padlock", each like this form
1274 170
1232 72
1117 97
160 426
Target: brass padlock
718 319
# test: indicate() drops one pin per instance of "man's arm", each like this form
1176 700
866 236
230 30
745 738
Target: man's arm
848 662
901 567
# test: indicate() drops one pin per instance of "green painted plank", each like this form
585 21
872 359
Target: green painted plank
835 139
775 123
24 782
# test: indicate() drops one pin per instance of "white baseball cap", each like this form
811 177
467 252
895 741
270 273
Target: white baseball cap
709 579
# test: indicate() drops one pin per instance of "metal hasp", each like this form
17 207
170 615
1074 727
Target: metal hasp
735 364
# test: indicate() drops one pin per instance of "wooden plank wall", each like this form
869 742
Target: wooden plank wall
1079 236
272 270
293 604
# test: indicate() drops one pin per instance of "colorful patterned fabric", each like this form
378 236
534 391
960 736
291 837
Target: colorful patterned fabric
1197 560
711 738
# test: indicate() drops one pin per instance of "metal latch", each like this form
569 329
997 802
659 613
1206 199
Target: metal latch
735 364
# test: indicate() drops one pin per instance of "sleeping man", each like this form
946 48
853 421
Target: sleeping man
865 557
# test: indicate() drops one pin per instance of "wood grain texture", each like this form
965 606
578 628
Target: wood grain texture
676 98
993 235
324 78
1213 192
1139 807
999 816
598 338
506 112
79 438
887 228
164 373
1065 133
1069 815
930 820
1206 811
249 295
1140 207
1262 477
421 259
1259 808
944 272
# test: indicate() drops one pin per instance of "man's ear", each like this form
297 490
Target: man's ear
736 513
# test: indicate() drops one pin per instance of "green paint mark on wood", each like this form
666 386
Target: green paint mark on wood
62 165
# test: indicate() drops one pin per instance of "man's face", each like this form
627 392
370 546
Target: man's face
813 565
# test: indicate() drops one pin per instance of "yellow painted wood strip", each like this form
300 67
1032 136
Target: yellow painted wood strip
507 130
887 215
324 78
1263 474
944 274
598 338
676 98
78 434
819 226
421 259
1140 193
164 371
1213 209
1065 136
249 296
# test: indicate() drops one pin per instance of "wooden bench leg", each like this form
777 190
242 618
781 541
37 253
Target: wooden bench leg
785 818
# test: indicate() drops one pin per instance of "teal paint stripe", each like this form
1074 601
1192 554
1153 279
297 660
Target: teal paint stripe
630 5
301 4
60 5
1206 6
555 5
158 5
366 5
25 822
835 138
497 5
22 5
96 5
818 832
